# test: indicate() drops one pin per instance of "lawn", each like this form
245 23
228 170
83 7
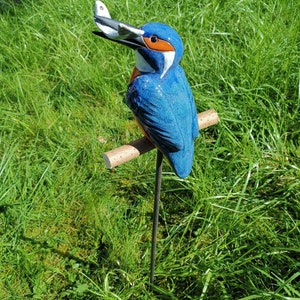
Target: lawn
71 229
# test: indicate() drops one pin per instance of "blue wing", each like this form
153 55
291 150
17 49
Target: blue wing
151 106
193 109
166 110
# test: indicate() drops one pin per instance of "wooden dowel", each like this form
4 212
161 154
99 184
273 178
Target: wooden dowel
125 153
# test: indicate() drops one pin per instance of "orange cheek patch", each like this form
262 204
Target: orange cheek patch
159 45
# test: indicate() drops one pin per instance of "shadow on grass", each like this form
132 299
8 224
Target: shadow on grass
3 209
8 6
103 249
45 245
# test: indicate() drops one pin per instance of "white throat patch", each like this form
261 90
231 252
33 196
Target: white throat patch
143 66
169 58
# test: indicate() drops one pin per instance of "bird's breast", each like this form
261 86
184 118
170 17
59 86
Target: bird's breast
135 74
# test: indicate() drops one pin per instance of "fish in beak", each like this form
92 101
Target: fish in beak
116 31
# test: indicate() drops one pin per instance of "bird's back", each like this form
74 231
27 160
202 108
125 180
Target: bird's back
166 110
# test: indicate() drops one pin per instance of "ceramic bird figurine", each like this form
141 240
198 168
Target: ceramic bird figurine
159 94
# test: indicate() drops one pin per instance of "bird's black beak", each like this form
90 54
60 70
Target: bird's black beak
119 32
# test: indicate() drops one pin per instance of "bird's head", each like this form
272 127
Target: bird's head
158 47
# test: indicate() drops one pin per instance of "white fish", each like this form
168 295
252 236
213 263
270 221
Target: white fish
119 32
101 10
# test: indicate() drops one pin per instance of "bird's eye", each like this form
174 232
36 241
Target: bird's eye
153 39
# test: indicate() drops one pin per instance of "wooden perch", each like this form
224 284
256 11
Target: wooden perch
125 153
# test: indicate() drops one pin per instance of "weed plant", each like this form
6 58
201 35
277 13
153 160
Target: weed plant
70 229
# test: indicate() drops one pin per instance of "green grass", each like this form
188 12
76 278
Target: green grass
70 229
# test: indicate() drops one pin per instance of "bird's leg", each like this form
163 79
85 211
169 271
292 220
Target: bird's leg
159 160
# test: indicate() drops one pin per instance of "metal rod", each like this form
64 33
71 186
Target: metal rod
159 160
